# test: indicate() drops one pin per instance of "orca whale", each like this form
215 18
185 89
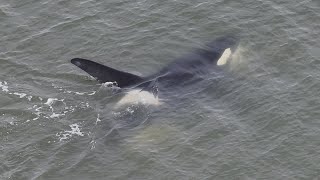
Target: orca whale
200 62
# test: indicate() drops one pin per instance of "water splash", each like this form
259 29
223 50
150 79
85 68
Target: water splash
75 130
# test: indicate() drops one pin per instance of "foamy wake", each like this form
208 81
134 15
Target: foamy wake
42 111
47 108
73 92
5 88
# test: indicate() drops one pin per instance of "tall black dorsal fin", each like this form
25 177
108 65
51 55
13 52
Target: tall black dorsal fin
106 74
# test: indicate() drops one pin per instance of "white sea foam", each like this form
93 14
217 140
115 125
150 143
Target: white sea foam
93 92
79 93
37 113
73 92
98 119
130 110
42 111
4 86
21 95
38 116
54 115
137 96
75 130
38 110
109 84
50 101
29 98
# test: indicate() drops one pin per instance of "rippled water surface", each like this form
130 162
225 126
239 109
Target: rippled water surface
261 120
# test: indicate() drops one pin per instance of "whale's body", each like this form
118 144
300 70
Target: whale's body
200 62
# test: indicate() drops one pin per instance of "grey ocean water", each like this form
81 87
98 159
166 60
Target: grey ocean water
260 121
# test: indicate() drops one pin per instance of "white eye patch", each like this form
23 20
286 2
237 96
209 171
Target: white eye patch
224 57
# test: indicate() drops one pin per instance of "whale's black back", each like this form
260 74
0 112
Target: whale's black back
197 63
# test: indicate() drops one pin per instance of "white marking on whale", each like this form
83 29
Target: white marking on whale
224 57
136 96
